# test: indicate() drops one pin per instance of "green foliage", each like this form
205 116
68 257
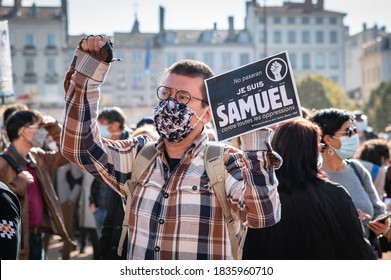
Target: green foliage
318 92
378 108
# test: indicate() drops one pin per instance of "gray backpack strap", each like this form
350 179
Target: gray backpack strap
141 163
215 169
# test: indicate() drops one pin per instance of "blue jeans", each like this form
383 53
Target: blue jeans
36 247
99 215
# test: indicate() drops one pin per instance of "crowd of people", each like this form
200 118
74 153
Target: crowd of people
310 188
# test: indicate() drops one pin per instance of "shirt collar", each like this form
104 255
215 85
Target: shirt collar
27 161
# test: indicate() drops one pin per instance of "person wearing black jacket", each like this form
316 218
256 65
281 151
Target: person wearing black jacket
10 228
112 121
318 218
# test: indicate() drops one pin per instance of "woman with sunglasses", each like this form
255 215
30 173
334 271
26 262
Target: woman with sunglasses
341 142
318 217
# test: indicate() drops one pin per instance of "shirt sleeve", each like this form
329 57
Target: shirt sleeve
378 206
251 183
108 161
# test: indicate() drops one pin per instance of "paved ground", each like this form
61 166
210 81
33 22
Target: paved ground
55 247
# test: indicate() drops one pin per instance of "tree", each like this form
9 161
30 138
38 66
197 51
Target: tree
318 92
378 108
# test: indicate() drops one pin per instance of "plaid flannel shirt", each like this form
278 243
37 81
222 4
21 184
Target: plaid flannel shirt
174 215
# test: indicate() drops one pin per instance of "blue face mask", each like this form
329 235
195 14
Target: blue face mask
349 146
103 131
362 126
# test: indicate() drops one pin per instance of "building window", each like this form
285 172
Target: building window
334 61
293 60
137 79
226 58
261 20
51 66
171 58
277 38
291 37
319 20
306 37
51 40
305 20
333 37
208 58
319 37
333 20
291 20
276 20
320 61
29 65
29 40
244 58
306 63
121 80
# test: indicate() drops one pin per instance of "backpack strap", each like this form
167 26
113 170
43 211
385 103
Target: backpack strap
215 169
141 163
12 162
374 171
353 165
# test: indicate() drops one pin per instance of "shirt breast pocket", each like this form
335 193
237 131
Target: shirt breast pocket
195 191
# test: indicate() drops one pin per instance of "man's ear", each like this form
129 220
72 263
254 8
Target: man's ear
207 117
327 139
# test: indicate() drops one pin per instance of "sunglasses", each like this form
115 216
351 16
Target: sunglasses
350 131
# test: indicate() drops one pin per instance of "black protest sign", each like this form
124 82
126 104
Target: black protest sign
256 95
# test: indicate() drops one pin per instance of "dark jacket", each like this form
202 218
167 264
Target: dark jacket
112 226
10 233
317 223
45 164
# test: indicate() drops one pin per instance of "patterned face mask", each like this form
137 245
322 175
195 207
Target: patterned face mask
172 120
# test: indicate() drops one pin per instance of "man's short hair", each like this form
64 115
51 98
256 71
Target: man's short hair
113 114
20 119
193 69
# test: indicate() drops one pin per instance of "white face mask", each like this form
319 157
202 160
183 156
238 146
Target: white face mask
349 146
39 138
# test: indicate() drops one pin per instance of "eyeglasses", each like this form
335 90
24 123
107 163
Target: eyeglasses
350 131
35 126
181 96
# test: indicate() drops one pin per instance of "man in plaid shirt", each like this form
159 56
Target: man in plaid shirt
174 214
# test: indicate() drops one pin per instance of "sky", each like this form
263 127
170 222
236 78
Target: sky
107 17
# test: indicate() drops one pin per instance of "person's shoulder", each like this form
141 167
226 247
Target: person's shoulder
334 191
331 186
4 187
356 162
6 194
